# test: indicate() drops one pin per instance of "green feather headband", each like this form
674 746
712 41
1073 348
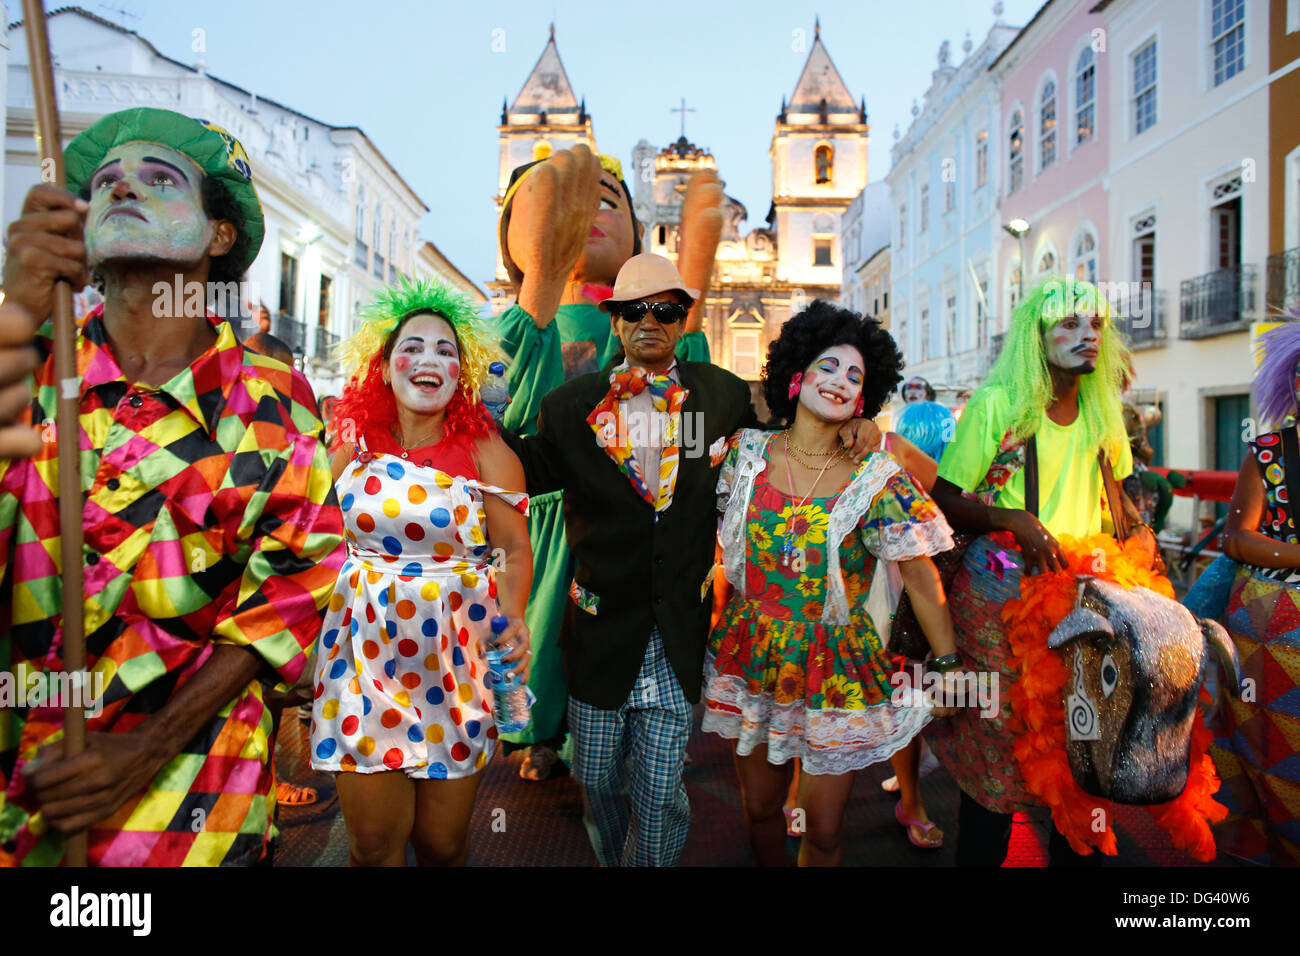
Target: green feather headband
476 336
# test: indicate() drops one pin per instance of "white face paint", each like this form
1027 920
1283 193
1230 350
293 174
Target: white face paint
833 383
1074 343
914 391
425 365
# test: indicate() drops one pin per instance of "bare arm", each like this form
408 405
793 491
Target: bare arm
1241 538
508 531
1040 550
341 459
921 578
914 461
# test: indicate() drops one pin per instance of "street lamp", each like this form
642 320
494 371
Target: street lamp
1018 228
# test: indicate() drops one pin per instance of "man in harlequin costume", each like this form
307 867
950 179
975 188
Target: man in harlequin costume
1052 397
567 226
212 532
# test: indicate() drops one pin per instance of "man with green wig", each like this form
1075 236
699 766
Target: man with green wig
212 533
567 226
1024 460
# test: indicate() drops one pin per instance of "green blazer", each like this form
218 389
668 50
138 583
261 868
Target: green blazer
639 569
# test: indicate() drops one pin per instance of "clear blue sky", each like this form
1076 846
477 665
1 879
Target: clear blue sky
423 81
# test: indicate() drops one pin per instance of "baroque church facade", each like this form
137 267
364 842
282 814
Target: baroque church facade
761 276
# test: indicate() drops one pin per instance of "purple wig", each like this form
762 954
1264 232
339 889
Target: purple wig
1278 351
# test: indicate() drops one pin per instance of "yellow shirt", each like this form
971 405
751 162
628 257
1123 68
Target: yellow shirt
1070 489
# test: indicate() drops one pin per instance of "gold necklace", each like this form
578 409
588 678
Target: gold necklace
415 444
799 461
804 451
787 540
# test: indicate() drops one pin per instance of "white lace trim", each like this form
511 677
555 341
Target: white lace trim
902 542
826 741
735 489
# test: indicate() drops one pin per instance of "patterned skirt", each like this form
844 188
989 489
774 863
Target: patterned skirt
819 692
977 750
1257 746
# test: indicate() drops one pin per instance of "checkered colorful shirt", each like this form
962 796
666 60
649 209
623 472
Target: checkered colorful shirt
210 518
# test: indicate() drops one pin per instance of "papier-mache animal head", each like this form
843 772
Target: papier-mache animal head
1136 663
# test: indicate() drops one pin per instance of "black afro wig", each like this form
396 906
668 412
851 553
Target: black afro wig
821 326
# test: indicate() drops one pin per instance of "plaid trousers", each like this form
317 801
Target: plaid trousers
652 728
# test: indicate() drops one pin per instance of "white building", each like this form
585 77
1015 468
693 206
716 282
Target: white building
339 219
1188 205
864 230
945 190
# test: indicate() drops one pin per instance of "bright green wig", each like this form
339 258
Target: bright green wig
1021 370
476 336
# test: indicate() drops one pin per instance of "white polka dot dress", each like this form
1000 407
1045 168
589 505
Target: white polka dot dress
399 667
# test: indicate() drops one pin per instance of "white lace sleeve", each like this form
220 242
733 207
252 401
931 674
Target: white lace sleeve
727 475
901 542
853 503
749 464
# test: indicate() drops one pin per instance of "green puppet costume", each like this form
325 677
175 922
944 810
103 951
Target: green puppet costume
577 341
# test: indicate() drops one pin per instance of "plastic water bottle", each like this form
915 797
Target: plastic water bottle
511 700
494 392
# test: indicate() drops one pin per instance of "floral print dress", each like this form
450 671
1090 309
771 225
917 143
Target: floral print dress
796 662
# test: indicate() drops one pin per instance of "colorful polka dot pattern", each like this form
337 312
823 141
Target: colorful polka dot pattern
399 669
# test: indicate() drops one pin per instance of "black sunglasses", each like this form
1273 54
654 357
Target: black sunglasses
665 312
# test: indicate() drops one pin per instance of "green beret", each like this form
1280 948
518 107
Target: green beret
211 148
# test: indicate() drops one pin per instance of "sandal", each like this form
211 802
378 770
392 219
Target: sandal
538 763
292 795
927 828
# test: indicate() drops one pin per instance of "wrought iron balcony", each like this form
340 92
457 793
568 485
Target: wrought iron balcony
326 341
290 331
1218 302
1282 275
1146 325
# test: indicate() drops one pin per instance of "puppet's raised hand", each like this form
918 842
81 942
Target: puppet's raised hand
550 221
701 230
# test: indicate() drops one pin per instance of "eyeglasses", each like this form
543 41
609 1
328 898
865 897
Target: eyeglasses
666 313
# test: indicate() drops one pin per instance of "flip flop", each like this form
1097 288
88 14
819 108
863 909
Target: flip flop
926 829
292 795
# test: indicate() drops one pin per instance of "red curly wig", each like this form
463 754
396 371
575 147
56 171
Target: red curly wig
368 404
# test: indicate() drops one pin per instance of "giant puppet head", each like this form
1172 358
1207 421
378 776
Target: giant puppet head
1136 661
615 235
158 184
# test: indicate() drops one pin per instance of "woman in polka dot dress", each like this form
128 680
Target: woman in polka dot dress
402 713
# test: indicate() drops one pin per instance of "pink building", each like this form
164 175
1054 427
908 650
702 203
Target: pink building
1054 151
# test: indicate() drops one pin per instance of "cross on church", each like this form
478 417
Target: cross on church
683 110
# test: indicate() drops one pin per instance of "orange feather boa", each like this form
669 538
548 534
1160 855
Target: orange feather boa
1038 707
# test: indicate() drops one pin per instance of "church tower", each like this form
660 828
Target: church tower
819 165
545 116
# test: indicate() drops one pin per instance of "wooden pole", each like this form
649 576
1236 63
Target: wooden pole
67 421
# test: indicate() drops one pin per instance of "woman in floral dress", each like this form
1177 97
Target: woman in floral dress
436 549
796 666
